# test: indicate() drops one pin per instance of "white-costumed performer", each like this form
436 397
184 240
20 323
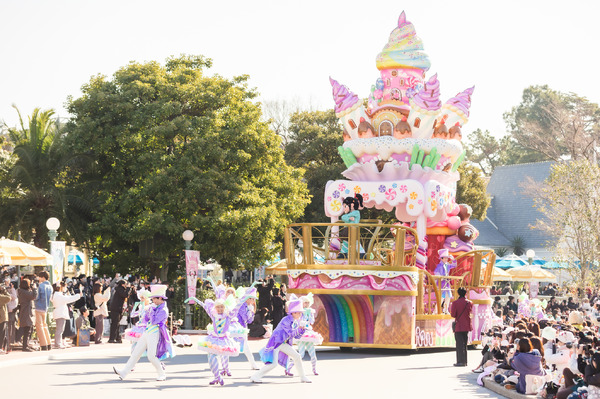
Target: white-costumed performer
310 338
155 340
245 317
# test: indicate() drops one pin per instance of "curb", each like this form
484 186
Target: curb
492 385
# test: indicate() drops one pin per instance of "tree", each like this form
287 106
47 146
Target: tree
570 201
471 190
488 152
313 141
555 124
35 183
176 149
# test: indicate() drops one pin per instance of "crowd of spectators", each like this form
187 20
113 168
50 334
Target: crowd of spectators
27 303
553 351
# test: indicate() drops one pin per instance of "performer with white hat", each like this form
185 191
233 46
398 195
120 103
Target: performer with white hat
310 338
155 340
280 347
447 262
245 317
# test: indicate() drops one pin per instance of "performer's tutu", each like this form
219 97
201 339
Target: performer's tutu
134 333
236 330
219 346
311 336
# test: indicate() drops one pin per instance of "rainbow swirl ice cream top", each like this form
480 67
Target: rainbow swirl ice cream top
462 101
429 98
344 99
404 49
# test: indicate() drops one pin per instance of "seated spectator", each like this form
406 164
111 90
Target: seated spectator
83 322
592 375
527 361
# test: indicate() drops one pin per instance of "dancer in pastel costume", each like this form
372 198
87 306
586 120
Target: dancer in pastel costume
246 317
279 346
140 309
443 269
155 340
218 343
310 338
352 206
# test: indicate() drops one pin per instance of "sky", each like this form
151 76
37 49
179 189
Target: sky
290 48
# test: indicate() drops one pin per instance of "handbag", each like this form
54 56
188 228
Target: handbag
83 337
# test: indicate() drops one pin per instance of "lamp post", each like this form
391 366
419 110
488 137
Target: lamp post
187 236
530 255
52 224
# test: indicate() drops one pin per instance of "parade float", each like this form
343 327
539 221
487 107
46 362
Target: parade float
374 283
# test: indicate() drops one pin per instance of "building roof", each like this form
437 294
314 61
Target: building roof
512 210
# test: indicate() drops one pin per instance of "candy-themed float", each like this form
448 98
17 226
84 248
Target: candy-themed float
376 286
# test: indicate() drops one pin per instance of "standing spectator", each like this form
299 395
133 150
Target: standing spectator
116 310
170 295
12 306
41 307
26 294
278 307
4 300
507 290
511 305
265 294
80 287
460 310
101 297
60 300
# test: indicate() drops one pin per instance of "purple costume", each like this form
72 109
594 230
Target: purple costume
443 269
245 315
156 317
287 330
218 342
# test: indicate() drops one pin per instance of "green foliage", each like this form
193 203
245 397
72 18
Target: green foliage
488 152
35 183
570 202
314 138
175 149
555 124
501 252
471 190
518 244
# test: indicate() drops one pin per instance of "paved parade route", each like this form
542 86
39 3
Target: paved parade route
87 372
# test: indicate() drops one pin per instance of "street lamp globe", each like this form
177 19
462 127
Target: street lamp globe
188 235
530 253
53 224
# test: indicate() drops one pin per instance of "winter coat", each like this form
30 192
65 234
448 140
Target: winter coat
118 299
529 363
100 300
4 300
43 299
460 310
26 298
60 302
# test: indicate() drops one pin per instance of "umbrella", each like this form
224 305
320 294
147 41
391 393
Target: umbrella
510 261
500 275
5 258
531 273
96 261
555 265
535 261
277 268
23 254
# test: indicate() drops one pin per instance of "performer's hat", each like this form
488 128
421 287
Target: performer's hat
158 291
251 293
443 253
308 298
219 301
295 306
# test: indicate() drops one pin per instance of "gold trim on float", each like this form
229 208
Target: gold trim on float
350 292
482 301
362 345
433 317
379 268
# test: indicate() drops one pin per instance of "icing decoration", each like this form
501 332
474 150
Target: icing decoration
333 274
404 49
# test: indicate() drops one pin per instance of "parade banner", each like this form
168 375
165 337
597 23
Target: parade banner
57 250
192 260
